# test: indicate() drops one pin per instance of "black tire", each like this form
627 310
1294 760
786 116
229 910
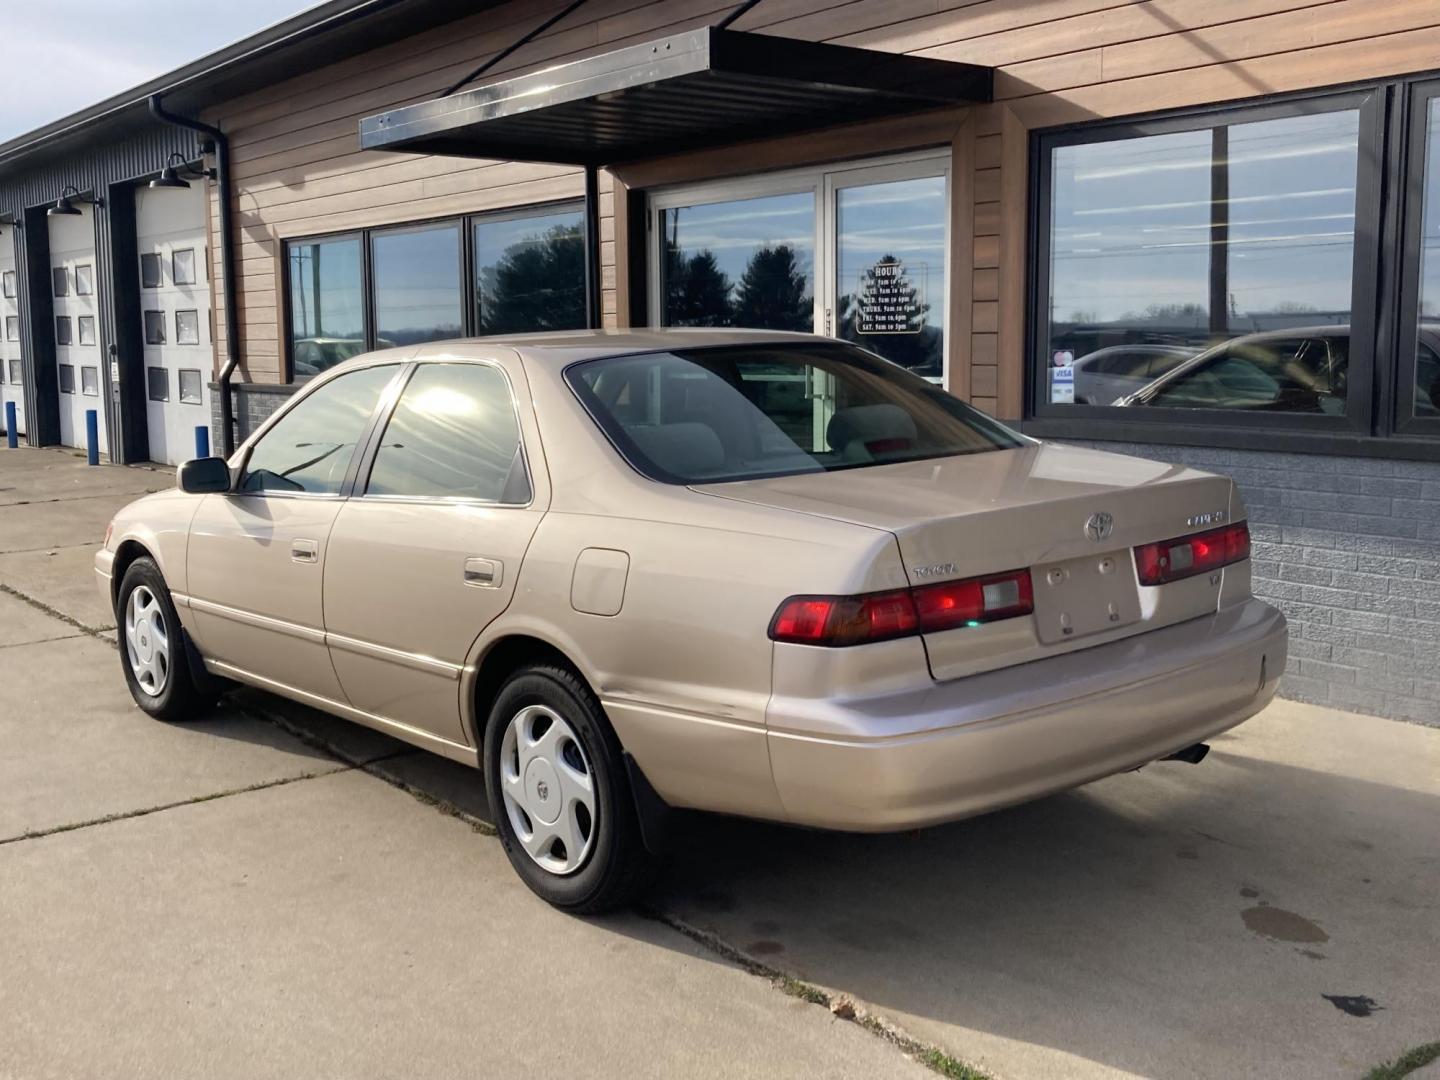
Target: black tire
617 867
178 698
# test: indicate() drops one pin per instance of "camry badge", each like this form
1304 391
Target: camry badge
1215 517
1100 525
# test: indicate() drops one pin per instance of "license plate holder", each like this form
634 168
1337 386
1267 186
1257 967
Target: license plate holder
1076 597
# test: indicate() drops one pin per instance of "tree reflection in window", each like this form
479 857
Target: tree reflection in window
530 274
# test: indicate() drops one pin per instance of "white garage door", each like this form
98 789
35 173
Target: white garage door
12 386
77 337
175 301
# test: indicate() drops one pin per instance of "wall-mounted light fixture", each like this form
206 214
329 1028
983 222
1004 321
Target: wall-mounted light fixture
8 219
65 205
170 175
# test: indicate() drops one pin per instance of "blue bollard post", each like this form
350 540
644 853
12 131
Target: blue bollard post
92 437
202 441
12 437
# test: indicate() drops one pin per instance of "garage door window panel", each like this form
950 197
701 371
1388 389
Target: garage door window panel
64 330
84 280
158 382
90 381
12 328
454 434
182 268
60 281
307 451
150 272
67 378
187 328
86 327
191 387
154 328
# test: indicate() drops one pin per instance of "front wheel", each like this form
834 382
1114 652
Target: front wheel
152 645
560 796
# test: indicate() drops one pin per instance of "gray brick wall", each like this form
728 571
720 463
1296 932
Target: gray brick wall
1349 549
253 406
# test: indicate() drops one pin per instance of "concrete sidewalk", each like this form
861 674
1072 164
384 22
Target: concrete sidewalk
264 894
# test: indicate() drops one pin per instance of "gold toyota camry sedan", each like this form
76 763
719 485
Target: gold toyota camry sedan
746 572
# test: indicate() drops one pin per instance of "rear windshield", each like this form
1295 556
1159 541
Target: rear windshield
740 412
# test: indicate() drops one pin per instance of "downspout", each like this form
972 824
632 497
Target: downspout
227 261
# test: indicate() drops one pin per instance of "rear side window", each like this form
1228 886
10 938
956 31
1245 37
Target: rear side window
309 448
453 435
738 412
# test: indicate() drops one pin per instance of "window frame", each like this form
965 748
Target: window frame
1103 421
382 422
823 182
64 320
366 236
1410 212
61 372
461 225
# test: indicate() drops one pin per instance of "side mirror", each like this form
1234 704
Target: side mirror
204 476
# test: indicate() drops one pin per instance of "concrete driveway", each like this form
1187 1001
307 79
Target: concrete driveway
275 893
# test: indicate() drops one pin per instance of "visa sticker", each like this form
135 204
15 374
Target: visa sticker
1062 386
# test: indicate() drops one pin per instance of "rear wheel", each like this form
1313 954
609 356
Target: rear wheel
152 646
560 796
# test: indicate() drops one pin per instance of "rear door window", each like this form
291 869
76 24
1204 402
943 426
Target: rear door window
453 435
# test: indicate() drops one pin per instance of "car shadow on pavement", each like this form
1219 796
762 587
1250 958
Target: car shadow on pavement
1168 922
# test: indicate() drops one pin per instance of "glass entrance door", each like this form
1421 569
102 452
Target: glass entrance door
889 284
858 252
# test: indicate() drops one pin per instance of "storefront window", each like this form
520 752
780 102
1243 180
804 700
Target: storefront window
1204 269
327 307
417 285
890 266
529 273
1427 343
749 262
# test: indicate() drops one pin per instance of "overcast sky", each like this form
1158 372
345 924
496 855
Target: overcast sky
62 55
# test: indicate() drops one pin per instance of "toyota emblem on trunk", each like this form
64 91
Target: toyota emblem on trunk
1100 525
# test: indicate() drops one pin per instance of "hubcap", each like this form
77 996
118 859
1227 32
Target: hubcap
548 789
147 641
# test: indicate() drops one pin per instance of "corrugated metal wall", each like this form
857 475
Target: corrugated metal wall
91 167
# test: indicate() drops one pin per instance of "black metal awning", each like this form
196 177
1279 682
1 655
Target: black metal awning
700 88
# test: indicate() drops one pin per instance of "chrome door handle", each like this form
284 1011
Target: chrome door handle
483 573
306 551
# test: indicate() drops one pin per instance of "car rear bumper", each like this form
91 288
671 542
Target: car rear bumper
971 745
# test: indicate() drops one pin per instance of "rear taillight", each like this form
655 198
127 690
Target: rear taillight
1186 556
856 620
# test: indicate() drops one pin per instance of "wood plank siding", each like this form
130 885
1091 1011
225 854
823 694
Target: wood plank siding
298 171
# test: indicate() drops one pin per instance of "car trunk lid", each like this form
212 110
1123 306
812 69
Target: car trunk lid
1070 515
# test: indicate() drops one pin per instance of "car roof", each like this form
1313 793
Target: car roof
571 345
